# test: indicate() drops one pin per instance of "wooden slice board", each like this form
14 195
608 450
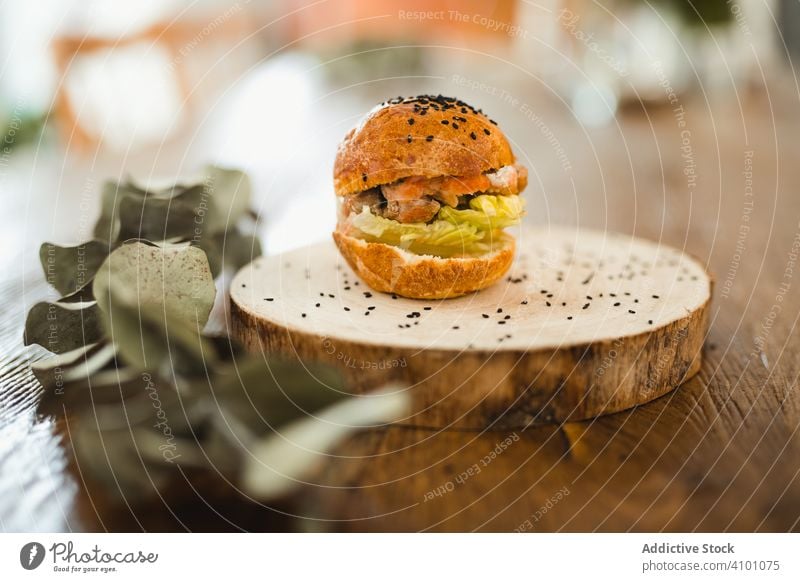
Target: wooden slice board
585 323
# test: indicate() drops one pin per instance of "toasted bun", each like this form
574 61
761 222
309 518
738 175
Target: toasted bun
409 137
392 270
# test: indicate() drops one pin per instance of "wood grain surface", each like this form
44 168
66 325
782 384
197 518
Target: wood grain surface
585 323
721 453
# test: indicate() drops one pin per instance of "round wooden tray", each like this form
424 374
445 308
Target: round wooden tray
585 323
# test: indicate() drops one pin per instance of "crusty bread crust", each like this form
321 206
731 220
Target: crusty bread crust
391 269
397 140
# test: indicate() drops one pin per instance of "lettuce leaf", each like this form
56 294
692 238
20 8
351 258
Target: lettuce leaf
487 212
452 233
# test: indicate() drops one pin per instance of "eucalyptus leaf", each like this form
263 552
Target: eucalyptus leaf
230 194
112 457
61 328
83 294
68 268
153 338
280 461
157 217
213 249
265 393
173 280
239 249
107 226
50 371
65 377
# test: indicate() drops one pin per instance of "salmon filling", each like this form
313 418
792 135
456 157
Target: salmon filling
418 199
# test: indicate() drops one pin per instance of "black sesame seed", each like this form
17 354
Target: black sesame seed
370 308
316 305
455 126
409 138
427 308
547 303
617 304
394 296
364 177
507 317
501 322
485 315
650 321
331 295
585 306
525 302
569 317
347 288
303 314
445 122
655 297
472 135
269 299
455 327
366 313
347 309
367 294
429 138
499 310
563 304
411 121
631 311
486 131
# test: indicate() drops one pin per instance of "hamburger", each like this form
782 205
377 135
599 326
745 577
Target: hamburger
425 186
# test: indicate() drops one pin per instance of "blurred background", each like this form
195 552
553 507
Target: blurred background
98 89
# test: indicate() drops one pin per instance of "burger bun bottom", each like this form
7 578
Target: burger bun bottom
390 269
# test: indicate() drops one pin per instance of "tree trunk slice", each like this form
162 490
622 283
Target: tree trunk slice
586 323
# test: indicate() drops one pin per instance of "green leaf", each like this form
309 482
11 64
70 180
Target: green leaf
81 295
279 461
67 378
239 249
61 328
230 192
158 217
169 280
68 268
265 393
107 226
50 371
155 339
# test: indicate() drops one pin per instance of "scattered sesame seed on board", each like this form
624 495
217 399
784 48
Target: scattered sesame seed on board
570 313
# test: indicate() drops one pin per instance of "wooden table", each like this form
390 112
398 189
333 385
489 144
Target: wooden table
720 453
